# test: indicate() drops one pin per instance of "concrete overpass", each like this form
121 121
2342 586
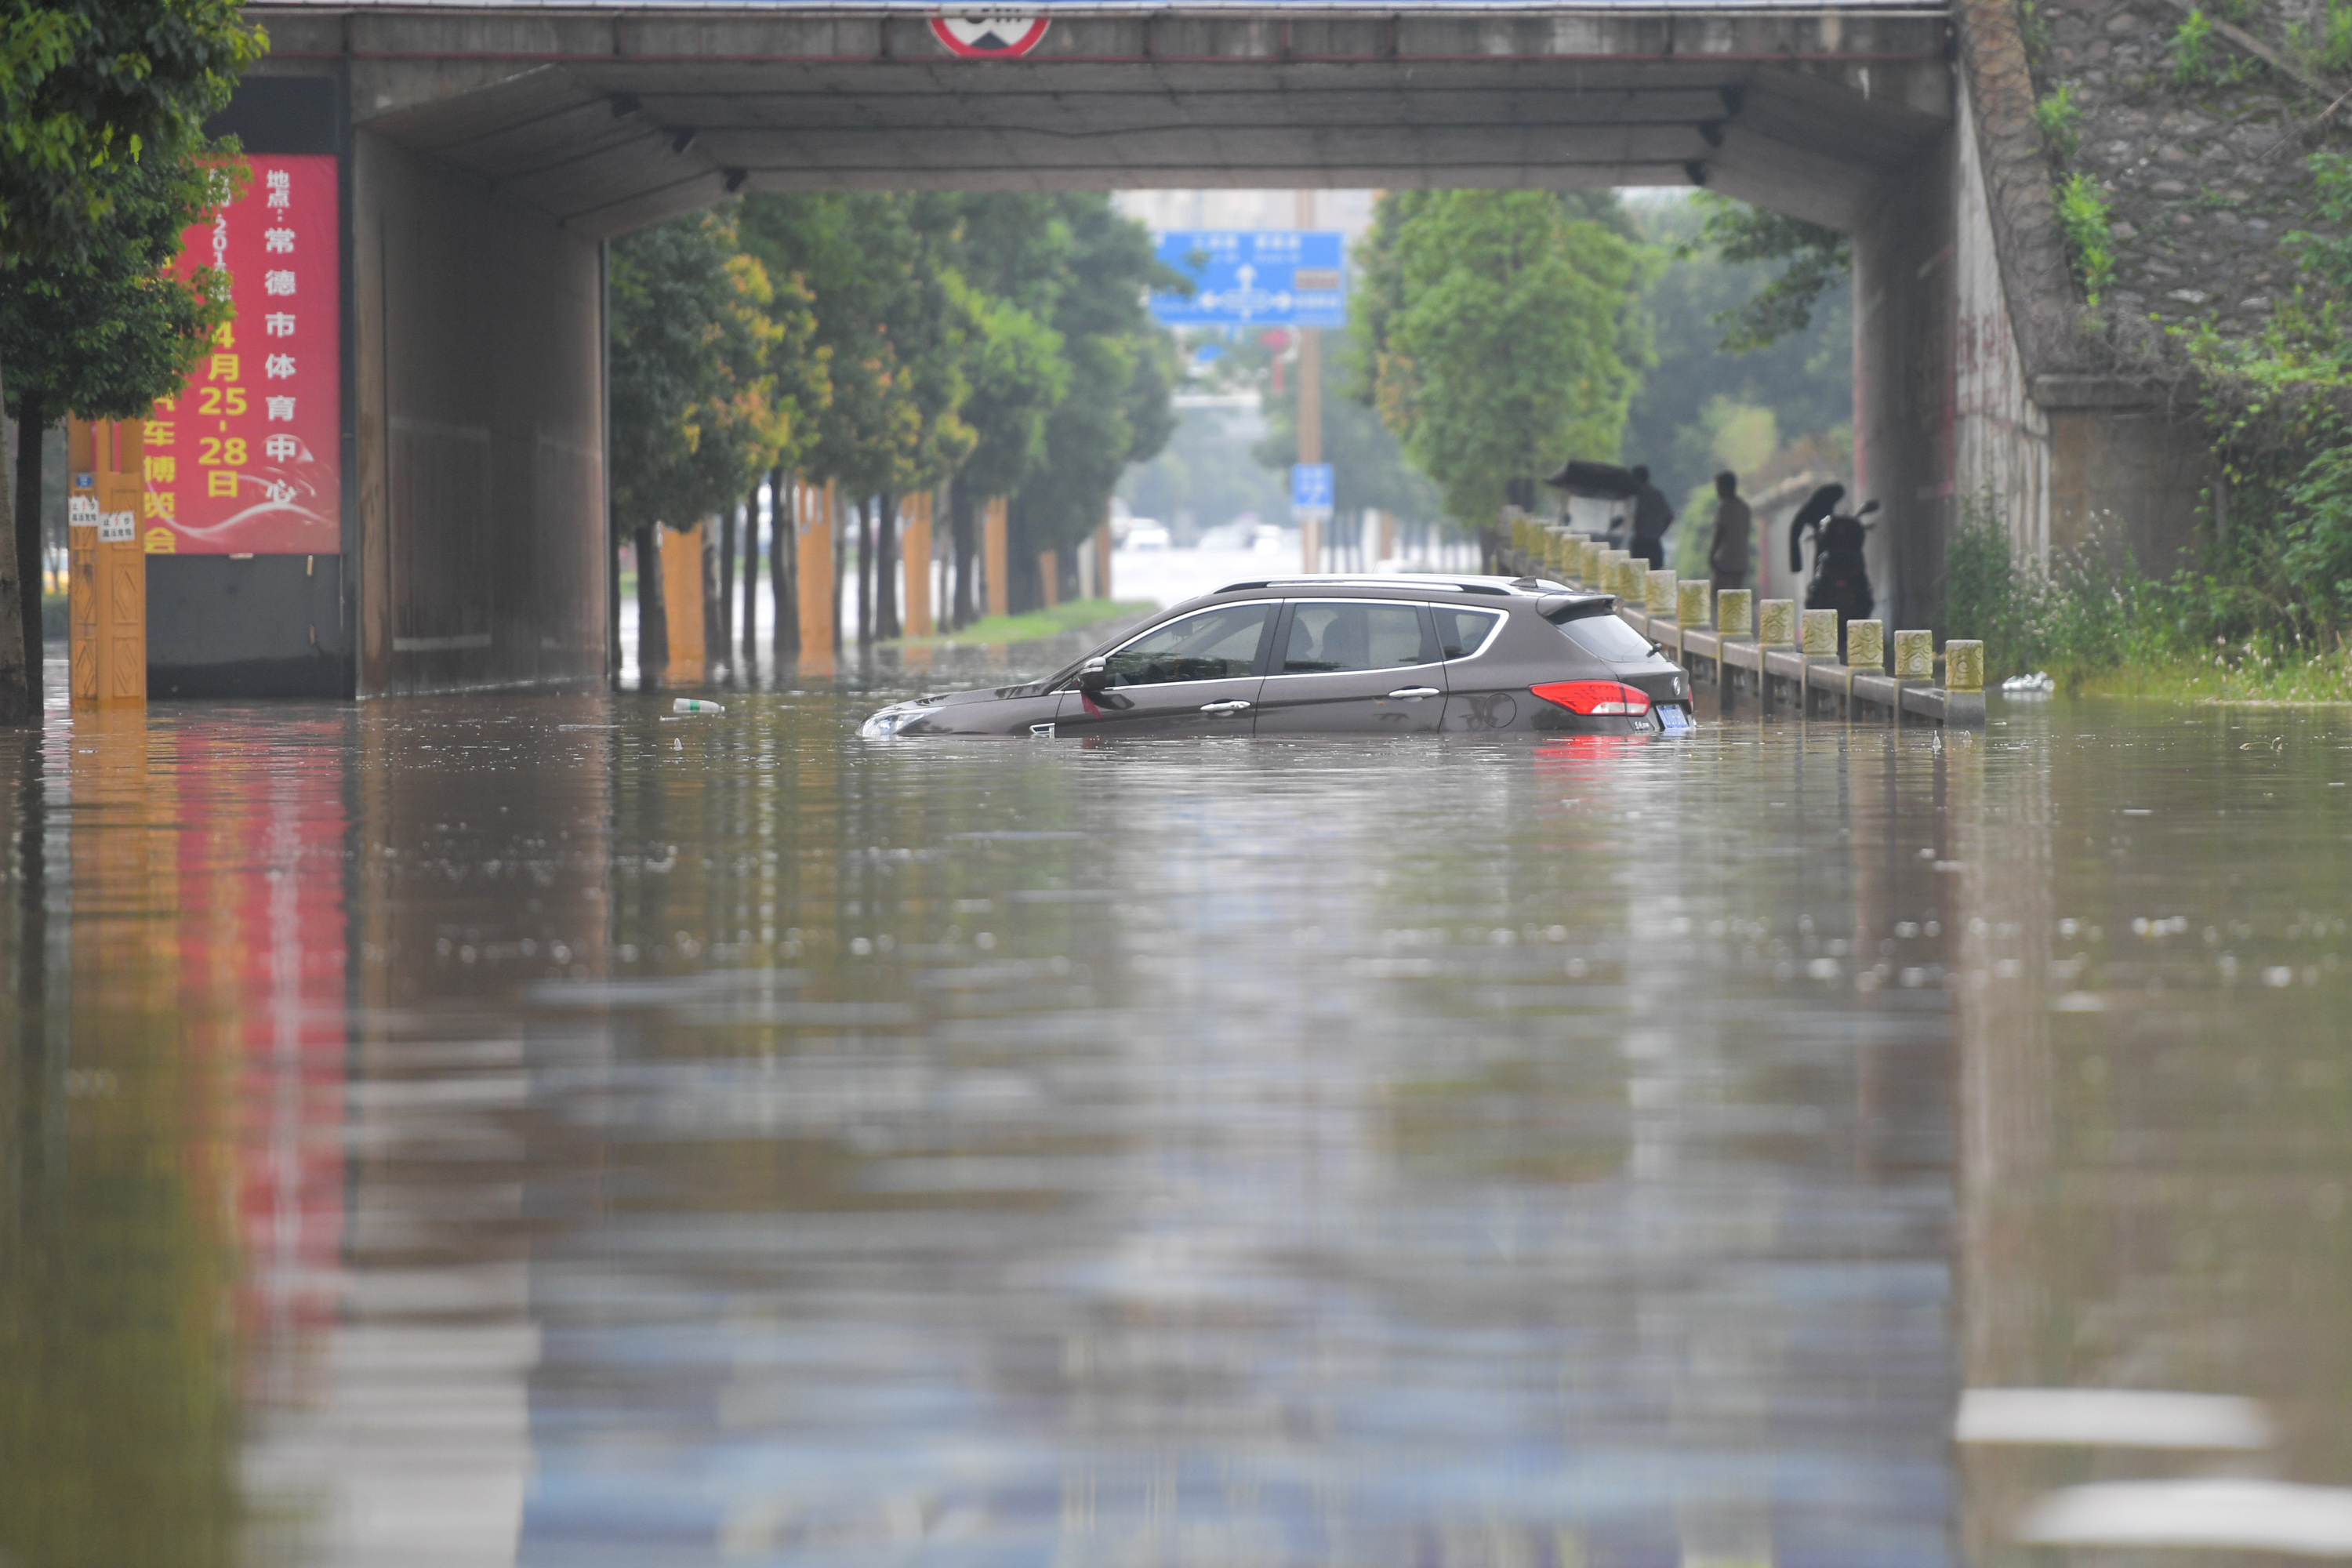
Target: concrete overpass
487 150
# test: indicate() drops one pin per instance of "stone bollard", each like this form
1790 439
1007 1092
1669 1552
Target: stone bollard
1865 645
1629 579
1821 638
1777 621
1964 665
1658 592
1690 603
1588 568
1735 612
1915 656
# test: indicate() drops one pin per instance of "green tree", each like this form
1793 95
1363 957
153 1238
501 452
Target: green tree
104 335
1118 409
1815 263
90 88
699 408
1500 334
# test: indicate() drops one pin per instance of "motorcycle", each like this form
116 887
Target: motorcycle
1840 578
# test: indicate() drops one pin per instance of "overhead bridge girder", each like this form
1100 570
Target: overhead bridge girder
490 150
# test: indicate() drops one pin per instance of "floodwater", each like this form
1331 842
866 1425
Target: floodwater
525 1131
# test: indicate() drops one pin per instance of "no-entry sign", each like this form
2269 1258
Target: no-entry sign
989 38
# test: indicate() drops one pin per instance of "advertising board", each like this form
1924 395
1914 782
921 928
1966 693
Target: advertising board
248 459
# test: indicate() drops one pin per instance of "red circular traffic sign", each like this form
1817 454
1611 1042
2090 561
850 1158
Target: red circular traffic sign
988 38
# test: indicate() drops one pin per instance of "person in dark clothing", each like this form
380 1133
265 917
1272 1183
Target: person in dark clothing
1652 517
1727 558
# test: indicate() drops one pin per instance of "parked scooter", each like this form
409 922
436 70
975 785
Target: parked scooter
1840 579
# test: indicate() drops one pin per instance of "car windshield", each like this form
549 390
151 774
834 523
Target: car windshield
1607 639
1214 645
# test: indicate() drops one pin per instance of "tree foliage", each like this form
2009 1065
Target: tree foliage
88 87
1498 334
716 375
105 335
1815 262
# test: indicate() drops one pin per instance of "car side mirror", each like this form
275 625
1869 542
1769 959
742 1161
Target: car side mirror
1093 676
1867 508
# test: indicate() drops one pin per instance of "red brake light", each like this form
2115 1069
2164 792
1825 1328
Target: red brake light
1593 697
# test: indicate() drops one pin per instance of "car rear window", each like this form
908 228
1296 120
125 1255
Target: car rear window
1607 639
1460 632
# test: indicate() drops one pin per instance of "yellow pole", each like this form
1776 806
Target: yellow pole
813 568
107 592
915 550
995 549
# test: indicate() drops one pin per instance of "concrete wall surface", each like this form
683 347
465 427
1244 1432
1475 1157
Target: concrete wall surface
478 386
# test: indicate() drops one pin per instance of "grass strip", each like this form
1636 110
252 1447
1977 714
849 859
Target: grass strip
1035 626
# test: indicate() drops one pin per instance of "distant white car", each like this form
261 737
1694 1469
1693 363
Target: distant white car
1144 535
1265 539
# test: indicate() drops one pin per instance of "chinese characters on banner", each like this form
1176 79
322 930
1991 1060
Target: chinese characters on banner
249 459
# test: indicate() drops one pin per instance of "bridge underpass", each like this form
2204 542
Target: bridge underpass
489 152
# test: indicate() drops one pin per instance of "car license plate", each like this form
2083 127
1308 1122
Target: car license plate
1670 717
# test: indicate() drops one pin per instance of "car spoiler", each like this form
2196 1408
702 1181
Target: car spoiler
1561 608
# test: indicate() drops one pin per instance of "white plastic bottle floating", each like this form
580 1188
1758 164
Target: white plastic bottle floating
695 705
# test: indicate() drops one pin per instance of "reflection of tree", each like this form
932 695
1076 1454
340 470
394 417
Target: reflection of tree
117 1409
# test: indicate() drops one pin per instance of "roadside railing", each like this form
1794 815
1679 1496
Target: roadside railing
1770 653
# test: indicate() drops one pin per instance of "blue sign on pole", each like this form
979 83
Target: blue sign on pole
1310 489
1255 278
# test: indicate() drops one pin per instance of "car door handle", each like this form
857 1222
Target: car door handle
1235 705
1413 693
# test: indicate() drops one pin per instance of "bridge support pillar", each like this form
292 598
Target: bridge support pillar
479 403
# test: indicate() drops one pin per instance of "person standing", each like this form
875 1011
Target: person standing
1728 557
1652 517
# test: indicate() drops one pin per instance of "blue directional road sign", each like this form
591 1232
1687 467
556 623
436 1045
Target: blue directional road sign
1310 489
1255 278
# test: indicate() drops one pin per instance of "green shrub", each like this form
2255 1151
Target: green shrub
2061 119
2194 53
2083 217
2327 257
2335 37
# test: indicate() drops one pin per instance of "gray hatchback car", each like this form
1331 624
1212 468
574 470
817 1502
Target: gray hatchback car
1335 655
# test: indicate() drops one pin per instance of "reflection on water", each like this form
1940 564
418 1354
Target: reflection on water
529 1130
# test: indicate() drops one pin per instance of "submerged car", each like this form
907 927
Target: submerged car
1338 654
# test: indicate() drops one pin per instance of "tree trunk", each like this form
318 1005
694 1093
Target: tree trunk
653 618
19 697
714 606
612 611
840 565
726 643
963 520
749 640
784 565
886 568
864 513
28 533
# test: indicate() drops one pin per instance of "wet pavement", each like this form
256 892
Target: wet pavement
527 1130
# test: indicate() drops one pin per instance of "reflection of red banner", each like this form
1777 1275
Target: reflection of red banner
249 459
261 975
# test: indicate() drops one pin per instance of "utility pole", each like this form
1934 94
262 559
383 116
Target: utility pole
1310 402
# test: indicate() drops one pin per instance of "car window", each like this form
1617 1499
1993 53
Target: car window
1214 645
1460 632
1607 639
1338 635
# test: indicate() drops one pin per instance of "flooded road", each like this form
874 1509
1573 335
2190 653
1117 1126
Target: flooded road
524 1130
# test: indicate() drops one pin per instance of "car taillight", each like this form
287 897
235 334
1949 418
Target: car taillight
1593 697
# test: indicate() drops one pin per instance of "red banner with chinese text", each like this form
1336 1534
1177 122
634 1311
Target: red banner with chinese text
249 458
